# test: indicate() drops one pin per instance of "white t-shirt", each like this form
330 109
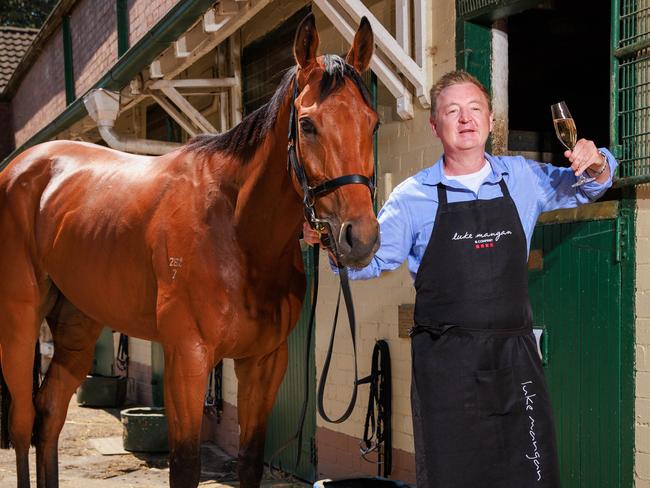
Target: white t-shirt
473 181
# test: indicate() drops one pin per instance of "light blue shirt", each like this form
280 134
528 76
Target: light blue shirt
406 219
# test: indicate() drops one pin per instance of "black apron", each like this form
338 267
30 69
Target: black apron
481 410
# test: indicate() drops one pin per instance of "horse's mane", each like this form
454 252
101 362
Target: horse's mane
245 138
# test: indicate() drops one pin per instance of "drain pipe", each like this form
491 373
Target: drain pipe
103 106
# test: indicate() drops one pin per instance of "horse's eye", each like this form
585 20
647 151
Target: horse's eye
307 126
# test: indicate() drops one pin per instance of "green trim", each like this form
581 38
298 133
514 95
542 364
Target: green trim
67 61
628 272
122 13
474 54
488 11
474 51
613 100
628 336
178 20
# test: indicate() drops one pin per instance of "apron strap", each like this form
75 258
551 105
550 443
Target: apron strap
442 194
504 187
435 331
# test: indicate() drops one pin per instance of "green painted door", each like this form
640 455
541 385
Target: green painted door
284 418
577 298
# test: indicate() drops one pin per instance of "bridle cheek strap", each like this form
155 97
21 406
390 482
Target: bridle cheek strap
310 194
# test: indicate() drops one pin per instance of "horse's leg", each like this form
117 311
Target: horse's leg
186 374
259 378
18 336
74 335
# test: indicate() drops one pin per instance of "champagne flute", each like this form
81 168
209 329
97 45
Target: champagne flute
565 129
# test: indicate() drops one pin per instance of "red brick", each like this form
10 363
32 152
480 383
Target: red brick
339 457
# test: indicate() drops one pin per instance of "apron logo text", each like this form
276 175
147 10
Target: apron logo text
529 408
482 240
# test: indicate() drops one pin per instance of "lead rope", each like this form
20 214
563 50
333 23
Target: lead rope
309 196
303 409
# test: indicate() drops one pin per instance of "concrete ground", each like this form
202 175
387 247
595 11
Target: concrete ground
82 466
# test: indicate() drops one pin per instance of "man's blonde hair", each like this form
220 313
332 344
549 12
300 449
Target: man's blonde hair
454 78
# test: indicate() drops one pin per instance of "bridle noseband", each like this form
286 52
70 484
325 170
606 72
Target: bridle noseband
311 193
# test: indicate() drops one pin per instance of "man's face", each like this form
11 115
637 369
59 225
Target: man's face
463 120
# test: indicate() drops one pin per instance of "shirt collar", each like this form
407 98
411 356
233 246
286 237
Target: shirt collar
435 174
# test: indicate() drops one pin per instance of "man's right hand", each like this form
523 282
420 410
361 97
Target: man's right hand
309 235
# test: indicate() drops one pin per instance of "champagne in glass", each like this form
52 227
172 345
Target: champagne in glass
565 129
566 132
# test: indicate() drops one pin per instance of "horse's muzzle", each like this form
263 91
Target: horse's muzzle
358 240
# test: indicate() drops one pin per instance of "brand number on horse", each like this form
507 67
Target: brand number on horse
175 264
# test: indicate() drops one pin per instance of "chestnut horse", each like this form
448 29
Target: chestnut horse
197 249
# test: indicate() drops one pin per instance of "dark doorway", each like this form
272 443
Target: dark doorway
559 53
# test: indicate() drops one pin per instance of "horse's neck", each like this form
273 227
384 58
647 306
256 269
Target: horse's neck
268 214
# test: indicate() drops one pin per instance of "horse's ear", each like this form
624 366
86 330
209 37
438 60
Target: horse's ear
306 43
362 47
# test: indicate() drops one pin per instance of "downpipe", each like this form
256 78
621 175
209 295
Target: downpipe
103 106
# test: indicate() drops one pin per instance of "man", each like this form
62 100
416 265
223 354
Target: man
481 411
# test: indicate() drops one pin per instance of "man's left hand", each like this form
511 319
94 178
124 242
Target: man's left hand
585 155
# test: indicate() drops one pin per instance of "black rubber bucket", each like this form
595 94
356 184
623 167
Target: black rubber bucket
144 429
373 482
102 391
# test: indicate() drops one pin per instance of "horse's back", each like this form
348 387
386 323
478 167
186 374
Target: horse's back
81 213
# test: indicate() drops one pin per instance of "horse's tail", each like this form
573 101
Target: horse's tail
5 400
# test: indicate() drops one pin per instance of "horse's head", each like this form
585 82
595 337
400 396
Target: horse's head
335 127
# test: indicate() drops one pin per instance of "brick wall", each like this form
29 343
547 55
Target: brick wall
144 14
41 95
338 457
642 363
139 388
93 25
6 132
93 28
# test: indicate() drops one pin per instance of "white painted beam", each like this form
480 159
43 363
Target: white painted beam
155 69
183 121
381 69
213 22
195 83
223 111
421 10
403 24
180 47
188 109
170 66
236 103
390 47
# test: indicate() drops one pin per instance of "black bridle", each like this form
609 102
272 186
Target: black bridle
310 194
